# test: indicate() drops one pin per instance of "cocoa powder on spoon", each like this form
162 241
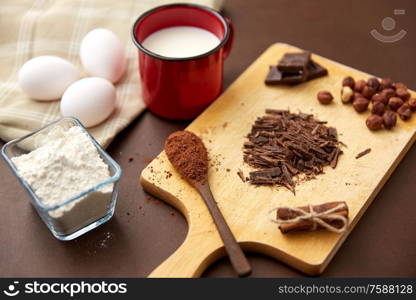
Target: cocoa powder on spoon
188 155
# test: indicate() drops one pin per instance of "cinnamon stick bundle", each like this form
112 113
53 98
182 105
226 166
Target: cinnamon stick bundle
332 216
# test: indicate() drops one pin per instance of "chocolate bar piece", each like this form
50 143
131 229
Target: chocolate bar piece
295 68
315 70
276 77
294 62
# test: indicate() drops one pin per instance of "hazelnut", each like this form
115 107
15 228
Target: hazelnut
360 104
389 119
403 94
412 104
357 95
324 97
346 94
395 103
379 98
388 93
404 112
359 85
378 108
374 122
386 83
368 92
399 85
348 81
374 83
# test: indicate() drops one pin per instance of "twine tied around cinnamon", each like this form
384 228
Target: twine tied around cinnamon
317 218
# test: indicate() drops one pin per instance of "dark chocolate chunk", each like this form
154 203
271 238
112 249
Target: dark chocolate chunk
277 111
332 132
272 172
276 77
295 68
267 176
315 70
294 62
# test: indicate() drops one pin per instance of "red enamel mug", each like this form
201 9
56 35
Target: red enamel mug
181 88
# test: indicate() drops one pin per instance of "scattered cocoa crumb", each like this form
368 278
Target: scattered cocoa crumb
168 174
130 158
140 207
362 153
228 170
172 213
215 160
127 213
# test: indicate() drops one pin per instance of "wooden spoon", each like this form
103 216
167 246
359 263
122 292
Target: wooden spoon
188 155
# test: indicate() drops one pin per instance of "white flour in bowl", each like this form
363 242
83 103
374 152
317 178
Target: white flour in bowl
64 165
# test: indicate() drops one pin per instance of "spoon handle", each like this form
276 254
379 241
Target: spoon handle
236 255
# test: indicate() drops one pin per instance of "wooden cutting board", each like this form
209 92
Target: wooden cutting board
223 127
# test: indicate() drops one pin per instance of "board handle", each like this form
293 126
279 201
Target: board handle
191 258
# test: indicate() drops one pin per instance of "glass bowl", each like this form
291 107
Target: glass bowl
88 209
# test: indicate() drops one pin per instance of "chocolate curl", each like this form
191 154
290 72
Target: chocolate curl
332 216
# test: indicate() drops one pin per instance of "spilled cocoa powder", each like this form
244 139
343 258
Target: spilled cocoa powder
188 155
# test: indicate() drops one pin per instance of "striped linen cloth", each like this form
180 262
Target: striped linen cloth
29 28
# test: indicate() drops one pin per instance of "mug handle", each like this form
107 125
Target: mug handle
228 45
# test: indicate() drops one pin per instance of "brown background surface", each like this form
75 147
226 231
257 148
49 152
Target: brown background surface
145 231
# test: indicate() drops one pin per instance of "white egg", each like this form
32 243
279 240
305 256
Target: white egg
47 77
102 55
91 100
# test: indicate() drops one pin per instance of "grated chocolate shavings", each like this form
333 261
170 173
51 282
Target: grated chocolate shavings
283 145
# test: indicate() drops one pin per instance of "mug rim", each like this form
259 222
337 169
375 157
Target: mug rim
161 57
